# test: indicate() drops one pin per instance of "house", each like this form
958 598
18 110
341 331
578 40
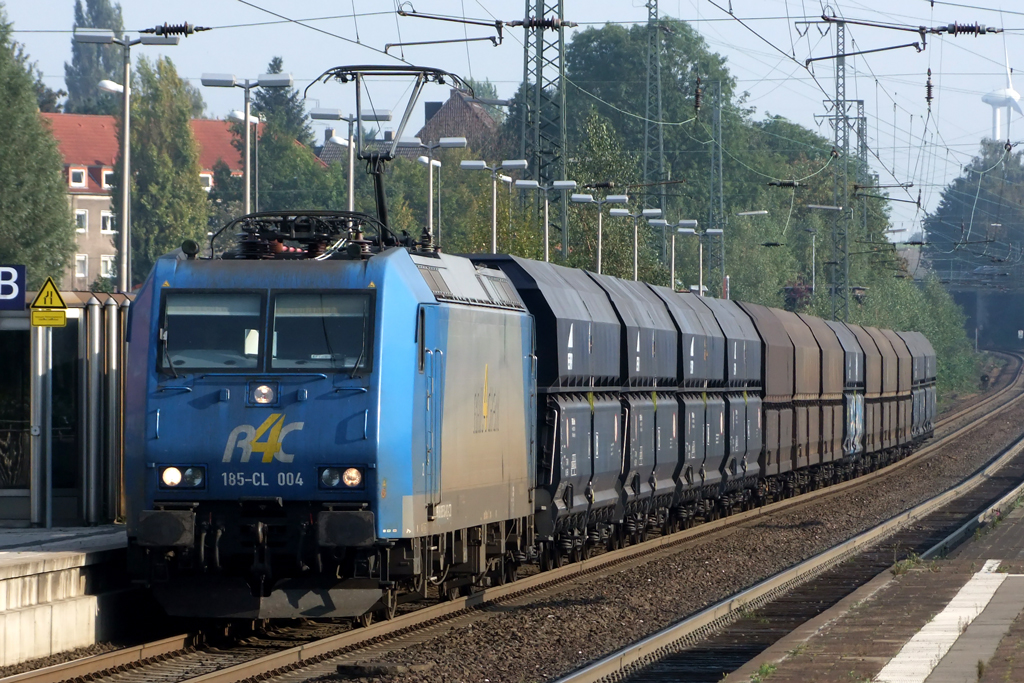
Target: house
459 116
89 145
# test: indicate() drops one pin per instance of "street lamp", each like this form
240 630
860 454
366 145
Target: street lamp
442 143
825 207
559 185
814 262
589 199
106 37
263 81
336 115
683 227
431 164
646 213
239 117
507 164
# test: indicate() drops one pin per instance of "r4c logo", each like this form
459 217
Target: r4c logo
248 438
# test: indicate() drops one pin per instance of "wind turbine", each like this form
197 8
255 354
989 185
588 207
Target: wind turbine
1005 98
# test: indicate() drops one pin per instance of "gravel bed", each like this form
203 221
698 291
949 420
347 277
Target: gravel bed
59 658
544 640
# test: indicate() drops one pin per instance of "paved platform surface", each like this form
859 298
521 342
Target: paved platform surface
63 538
954 620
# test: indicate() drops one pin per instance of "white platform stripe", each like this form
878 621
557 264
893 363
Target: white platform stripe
923 652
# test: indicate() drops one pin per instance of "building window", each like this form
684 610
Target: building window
76 177
107 265
206 180
107 223
108 179
82 220
81 265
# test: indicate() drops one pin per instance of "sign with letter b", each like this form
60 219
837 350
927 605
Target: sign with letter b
12 288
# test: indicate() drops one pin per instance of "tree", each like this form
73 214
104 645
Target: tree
485 90
283 108
168 203
47 99
36 228
91 63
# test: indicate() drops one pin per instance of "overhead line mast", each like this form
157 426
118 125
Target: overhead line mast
654 136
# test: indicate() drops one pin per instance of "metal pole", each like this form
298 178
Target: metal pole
547 231
438 204
814 264
256 168
600 229
94 430
351 168
635 247
494 211
672 260
124 241
247 194
700 264
112 400
39 408
430 192
122 350
48 428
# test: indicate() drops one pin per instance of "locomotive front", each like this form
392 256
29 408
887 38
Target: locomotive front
253 427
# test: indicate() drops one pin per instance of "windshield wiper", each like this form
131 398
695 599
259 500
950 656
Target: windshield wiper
362 345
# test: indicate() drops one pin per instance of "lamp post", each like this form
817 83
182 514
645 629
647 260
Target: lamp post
814 261
239 117
336 115
263 81
431 164
684 227
589 199
106 37
827 207
646 213
559 185
442 143
507 164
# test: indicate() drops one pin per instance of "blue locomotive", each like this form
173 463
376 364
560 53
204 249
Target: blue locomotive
320 423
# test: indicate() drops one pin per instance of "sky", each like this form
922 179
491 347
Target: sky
763 40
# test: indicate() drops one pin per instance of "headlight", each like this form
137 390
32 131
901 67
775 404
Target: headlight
330 477
183 477
171 476
263 394
352 477
193 477
336 477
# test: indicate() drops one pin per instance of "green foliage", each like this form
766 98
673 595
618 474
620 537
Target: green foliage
485 90
283 108
91 63
168 203
36 229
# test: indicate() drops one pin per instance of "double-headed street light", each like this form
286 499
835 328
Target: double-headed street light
700 247
106 37
646 213
683 227
589 199
508 165
263 81
336 115
560 186
442 143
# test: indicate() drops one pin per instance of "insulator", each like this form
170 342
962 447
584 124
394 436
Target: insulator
957 29
175 30
929 89
696 96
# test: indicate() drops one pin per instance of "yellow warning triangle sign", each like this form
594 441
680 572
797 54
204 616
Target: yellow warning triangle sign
48 296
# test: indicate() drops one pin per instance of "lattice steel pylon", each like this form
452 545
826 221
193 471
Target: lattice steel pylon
716 199
654 136
543 119
841 190
863 171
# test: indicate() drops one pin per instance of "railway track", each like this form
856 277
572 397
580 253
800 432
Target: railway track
306 650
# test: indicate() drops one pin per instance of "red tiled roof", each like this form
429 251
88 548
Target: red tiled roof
214 138
85 140
91 141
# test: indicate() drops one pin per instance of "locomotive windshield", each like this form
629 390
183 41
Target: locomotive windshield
322 332
211 331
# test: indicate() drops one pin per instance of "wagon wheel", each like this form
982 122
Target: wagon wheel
390 601
364 620
449 591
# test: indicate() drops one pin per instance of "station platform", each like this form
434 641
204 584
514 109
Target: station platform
955 620
59 589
